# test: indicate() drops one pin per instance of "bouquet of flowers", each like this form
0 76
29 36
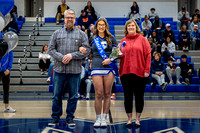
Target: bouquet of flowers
116 52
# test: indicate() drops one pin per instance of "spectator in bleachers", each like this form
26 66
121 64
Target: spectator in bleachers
142 33
158 71
168 49
90 10
146 26
44 59
50 69
134 14
134 70
173 70
195 35
82 84
113 96
13 12
152 14
187 70
156 40
196 14
12 26
158 26
168 32
5 68
195 22
184 38
153 47
103 75
85 21
183 18
60 12
88 82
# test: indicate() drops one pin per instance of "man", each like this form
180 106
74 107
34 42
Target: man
158 26
183 18
184 38
152 14
195 35
85 21
63 47
168 32
146 26
173 71
5 68
187 70
158 71
60 11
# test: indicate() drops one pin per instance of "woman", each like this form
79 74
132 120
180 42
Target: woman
168 49
44 59
134 14
194 22
134 69
102 72
90 10
156 40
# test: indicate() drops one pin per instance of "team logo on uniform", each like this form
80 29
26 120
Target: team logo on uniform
104 44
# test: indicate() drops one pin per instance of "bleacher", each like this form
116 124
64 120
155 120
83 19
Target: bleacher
116 28
20 22
114 22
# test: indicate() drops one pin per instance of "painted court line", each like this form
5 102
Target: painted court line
47 129
178 130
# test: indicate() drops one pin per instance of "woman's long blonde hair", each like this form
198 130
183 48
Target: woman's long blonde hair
128 22
107 33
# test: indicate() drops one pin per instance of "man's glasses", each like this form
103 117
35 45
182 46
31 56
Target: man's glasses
68 18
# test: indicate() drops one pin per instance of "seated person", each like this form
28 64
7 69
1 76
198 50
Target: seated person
168 49
158 26
85 21
173 71
88 82
195 22
44 59
183 18
134 14
156 41
82 83
90 10
184 38
50 69
143 34
152 14
153 47
187 70
13 12
195 35
146 25
113 91
168 32
60 12
12 26
196 14
158 71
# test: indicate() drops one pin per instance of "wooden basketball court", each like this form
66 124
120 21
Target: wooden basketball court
163 116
